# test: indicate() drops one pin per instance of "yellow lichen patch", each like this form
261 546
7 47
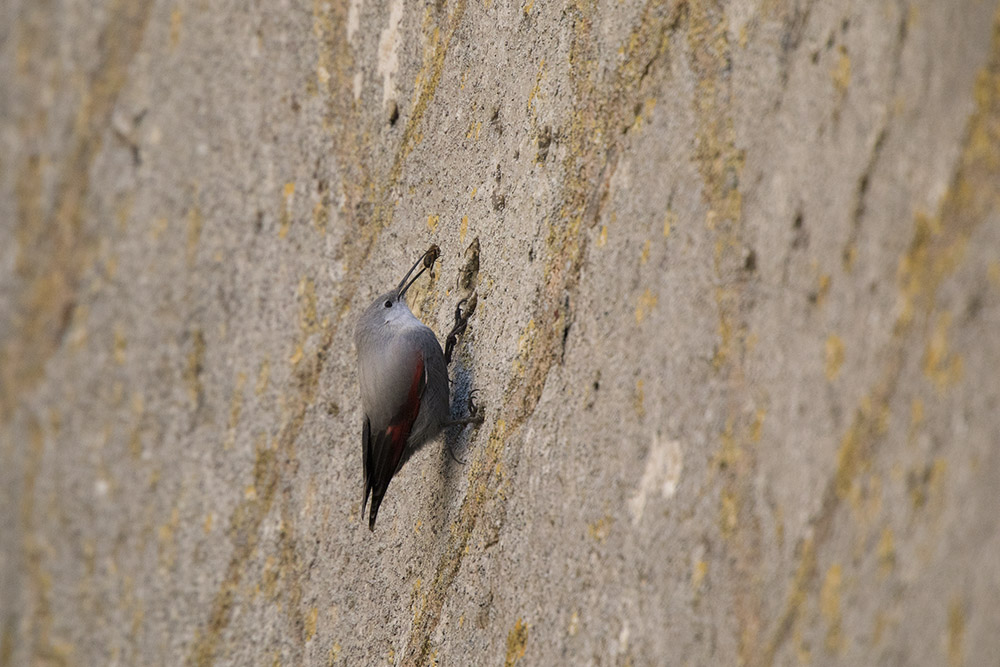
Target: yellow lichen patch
76 335
941 366
165 538
135 438
916 414
474 129
120 345
600 529
321 215
647 302
866 499
850 255
574 624
822 288
669 222
194 224
927 483
993 273
175 27
935 483
268 583
463 229
729 513
602 239
852 457
263 376
956 633
803 652
829 602
797 596
536 89
296 355
117 399
757 427
834 353
322 75
195 363
881 623
524 345
929 259
730 451
644 256
517 643
639 398
841 73
643 114
886 552
206 525
288 193
432 222
727 338
779 526
110 267
311 619
334 652
158 227
308 321
698 573
137 619
235 408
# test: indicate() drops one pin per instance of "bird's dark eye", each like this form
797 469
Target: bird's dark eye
388 304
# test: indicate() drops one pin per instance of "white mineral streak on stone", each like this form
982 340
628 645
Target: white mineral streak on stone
663 469
359 78
353 18
388 61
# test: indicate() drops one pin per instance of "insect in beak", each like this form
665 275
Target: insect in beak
428 259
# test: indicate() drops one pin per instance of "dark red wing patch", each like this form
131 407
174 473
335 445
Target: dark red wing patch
401 425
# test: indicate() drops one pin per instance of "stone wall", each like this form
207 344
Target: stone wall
738 292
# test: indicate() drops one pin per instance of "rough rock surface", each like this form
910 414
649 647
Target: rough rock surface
739 289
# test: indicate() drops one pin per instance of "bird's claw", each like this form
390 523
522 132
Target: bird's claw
461 323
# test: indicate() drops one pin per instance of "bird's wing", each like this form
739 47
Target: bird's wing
383 447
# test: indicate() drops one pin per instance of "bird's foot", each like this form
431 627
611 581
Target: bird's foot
461 323
477 413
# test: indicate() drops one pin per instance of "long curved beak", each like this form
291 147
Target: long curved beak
428 259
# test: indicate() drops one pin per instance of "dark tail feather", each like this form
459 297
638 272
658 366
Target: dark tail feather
366 443
376 502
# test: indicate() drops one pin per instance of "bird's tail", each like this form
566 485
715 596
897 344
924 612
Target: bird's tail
376 502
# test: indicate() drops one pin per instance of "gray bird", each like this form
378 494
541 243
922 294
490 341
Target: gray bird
404 384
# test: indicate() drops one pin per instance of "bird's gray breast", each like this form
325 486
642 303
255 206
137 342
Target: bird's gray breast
387 373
